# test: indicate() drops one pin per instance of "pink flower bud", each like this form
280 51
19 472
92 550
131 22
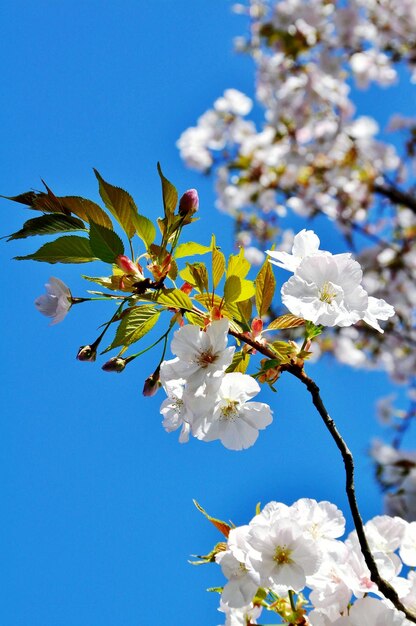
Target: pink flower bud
128 266
116 364
189 203
186 288
256 326
151 384
87 353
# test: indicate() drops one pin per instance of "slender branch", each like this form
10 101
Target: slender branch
386 589
396 195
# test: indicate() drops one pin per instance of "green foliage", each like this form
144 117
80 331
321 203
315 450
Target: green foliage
169 195
190 249
239 363
218 266
237 289
312 331
286 321
174 298
265 287
120 204
238 265
71 249
144 229
199 275
105 244
85 209
49 224
136 322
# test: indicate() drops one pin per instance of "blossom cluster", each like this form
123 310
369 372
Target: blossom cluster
205 401
287 550
314 155
325 288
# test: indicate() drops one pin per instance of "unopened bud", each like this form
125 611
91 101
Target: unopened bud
128 266
186 288
189 203
256 326
116 364
87 353
151 384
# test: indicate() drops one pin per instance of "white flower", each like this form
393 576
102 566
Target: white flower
408 548
327 290
230 418
378 309
235 102
56 302
174 412
282 555
242 583
305 243
201 354
242 616
373 612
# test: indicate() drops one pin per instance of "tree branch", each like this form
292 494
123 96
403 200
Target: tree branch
396 195
386 589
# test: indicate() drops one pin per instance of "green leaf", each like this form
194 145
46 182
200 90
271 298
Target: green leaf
223 527
245 308
238 265
120 204
48 225
239 363
218 266
238 290
87 210
190 248
71 249
199 274
286 321
265 286
136 323
174 298
188 277
169 193
312 330
232 288
105 243
145 229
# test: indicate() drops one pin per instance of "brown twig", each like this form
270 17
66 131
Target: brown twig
396 195
386 589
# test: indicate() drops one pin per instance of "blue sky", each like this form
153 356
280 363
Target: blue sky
97 514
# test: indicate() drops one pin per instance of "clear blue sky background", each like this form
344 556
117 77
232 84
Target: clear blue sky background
97 516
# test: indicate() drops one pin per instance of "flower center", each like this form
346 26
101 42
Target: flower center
282 555
327 293
230 410
206 358
178 404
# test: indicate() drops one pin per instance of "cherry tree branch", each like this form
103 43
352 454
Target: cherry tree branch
396 195
296 370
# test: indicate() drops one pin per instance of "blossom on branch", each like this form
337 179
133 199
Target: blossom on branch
56 302
229 416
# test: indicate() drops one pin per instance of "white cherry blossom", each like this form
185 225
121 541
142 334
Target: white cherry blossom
230 417
305 243
201 354
56 302
282 555
326 289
